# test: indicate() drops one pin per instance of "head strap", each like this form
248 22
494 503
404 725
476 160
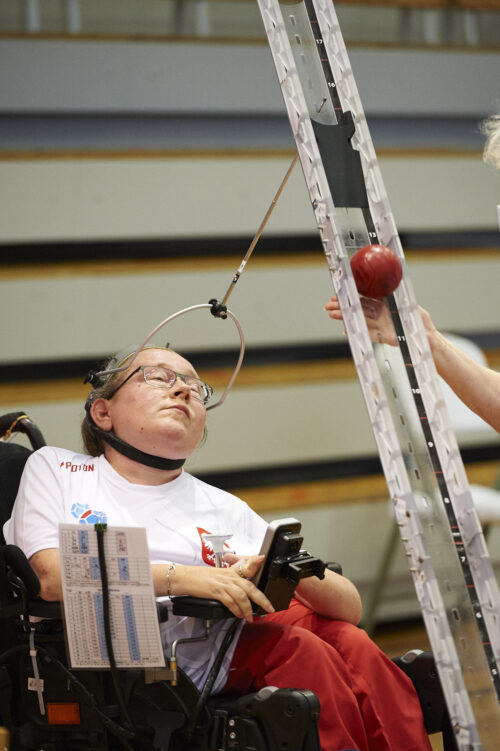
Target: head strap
150 460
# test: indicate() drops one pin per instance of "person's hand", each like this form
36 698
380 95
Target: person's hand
231 585
237 591
377 316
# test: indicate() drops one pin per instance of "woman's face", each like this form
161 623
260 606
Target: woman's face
166 422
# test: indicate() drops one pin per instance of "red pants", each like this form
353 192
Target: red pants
367 702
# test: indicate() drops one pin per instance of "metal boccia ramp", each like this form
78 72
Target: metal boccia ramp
433 507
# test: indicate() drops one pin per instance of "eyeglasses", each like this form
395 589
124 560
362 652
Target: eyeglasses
164 378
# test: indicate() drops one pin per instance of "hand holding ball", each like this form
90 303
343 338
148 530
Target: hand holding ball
377 271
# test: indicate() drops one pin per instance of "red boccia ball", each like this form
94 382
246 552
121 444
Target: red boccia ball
377 271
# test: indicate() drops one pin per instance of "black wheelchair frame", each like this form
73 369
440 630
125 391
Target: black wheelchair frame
84 710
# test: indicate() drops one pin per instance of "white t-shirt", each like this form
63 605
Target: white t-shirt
59 486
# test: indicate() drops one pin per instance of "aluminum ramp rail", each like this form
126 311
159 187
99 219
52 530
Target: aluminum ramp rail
440 530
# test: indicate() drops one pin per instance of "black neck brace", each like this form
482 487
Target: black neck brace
157 462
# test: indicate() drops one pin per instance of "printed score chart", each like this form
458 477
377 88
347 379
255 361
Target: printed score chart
134 621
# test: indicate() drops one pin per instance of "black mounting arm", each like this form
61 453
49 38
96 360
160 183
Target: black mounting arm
218 310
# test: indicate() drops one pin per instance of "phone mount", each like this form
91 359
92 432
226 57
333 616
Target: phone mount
285 568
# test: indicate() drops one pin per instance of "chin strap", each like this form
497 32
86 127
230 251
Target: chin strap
157 462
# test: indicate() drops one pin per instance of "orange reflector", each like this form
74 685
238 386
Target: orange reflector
63 713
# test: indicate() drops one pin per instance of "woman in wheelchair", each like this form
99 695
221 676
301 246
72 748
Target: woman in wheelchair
140 426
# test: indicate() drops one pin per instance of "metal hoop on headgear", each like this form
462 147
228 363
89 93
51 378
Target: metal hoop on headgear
94 377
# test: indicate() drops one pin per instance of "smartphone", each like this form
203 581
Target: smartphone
282 539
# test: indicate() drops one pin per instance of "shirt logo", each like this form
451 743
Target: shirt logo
207 551
86 515
76 467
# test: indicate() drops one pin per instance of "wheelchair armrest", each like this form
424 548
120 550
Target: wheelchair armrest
335 567
54 610
24 586
44 609
199 607
13 558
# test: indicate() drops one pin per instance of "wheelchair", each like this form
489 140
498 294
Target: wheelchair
45 705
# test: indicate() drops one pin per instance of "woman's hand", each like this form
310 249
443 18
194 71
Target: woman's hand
231 586
377 316
379 323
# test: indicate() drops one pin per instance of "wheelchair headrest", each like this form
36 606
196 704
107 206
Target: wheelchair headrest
13 458
19 422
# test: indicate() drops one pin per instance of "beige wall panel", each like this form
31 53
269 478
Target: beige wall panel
125 75
461 293
134 198
178 197
303 423
71 316
354 536
85 314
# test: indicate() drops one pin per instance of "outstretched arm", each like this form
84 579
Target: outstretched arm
477 386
